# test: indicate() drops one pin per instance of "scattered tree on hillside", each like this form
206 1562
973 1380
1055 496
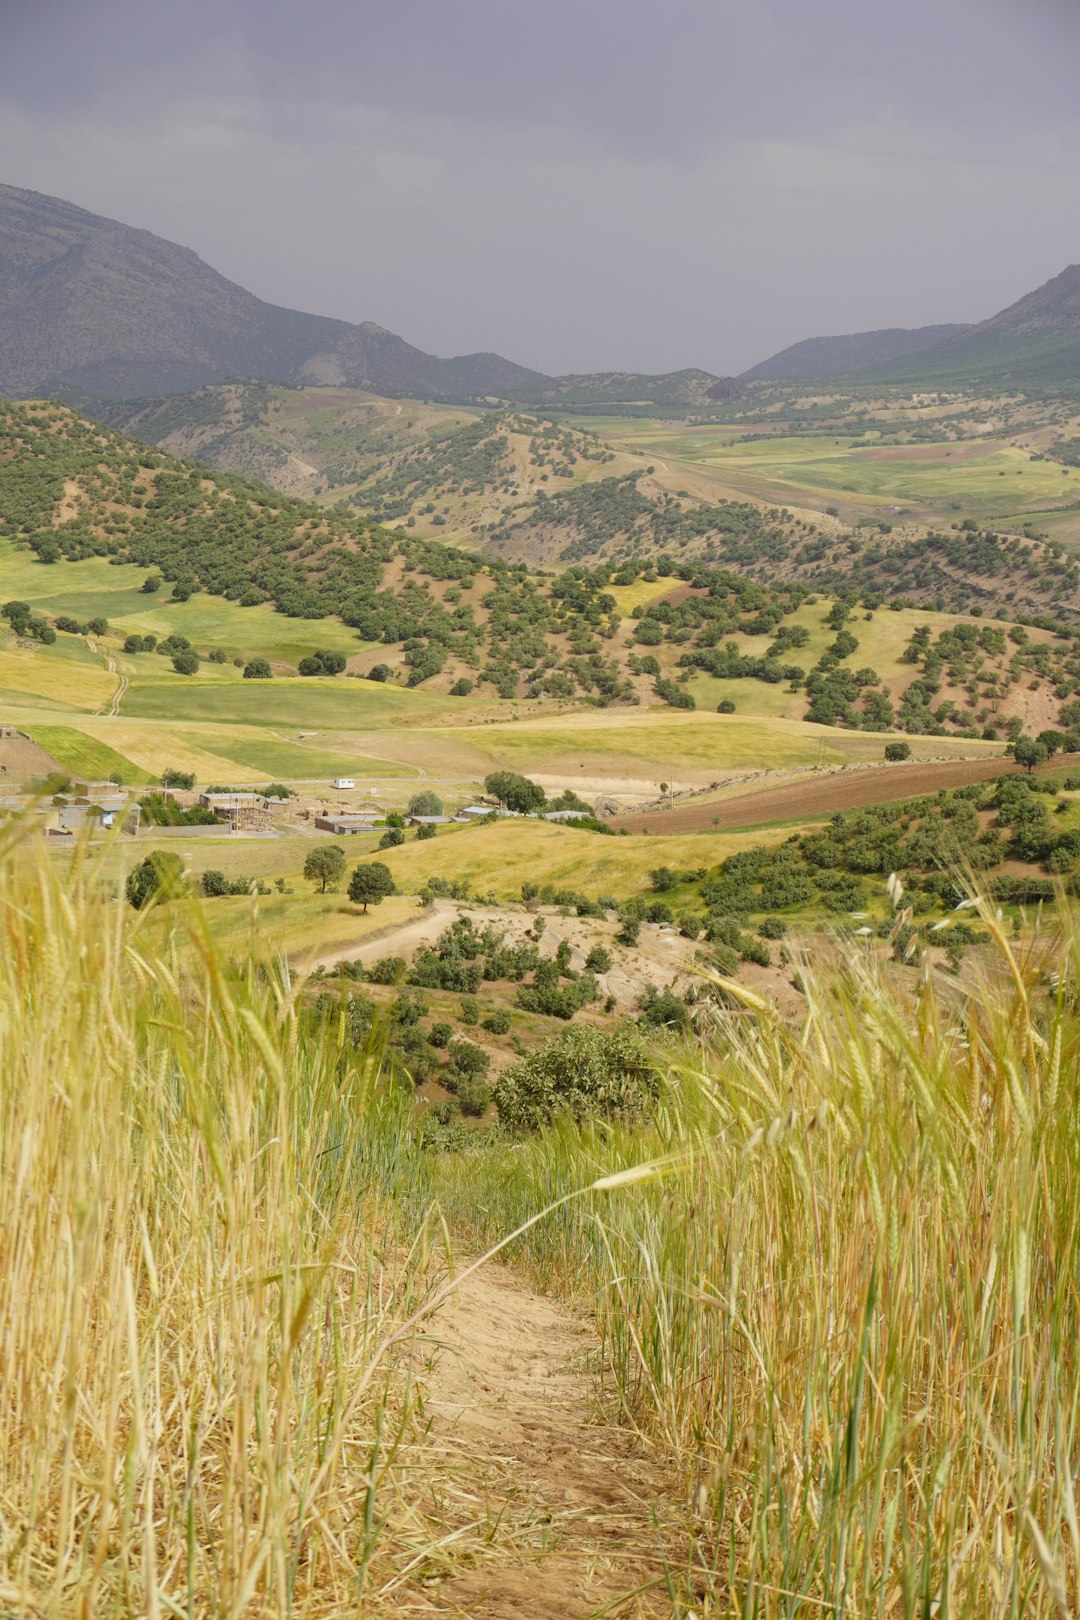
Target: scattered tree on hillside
1029 752
325 866
426 803
371 883
515 792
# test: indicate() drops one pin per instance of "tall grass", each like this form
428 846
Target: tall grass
845 1296
200 1278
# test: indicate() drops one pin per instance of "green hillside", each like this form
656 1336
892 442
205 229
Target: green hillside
1033 344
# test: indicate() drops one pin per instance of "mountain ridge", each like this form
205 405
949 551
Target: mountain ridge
1033 342
848 354
91 306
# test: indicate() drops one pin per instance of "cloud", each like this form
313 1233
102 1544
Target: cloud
591 183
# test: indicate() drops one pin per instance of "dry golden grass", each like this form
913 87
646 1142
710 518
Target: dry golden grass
198 1284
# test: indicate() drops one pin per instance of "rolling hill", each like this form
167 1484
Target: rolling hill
92 307
849 354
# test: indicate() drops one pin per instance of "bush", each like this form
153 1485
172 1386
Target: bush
439 1034
426 803
772 928
186 663
585 1072
498 1022
257 669
391 838
725 707
896 751
473 1096
598 959
470 1011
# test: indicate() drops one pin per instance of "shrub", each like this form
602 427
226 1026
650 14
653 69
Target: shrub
426 803
498 1022
895 751
391 838
439 1034
160 876
470 1011
725 706
598 959
257 669
473 1096
584 1072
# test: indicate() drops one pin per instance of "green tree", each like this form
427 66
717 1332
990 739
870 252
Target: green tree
1029 752
160 876
426 803
186 663
371 883
257 669
895 751
325 866
515 792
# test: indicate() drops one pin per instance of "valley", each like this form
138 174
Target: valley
538 963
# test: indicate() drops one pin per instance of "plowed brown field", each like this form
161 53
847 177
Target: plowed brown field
825 795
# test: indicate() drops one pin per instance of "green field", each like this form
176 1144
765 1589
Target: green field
983 476
96 588
89 756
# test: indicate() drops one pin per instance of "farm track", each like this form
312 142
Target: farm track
571 1506
112 708
825 795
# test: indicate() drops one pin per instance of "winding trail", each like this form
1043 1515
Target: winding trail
573 1511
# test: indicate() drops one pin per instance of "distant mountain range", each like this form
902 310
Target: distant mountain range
1034 344
90 307
847 355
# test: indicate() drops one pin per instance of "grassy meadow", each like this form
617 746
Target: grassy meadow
984 476
828 1283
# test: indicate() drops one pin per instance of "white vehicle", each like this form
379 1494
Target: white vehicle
343 782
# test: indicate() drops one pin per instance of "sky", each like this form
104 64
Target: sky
577 184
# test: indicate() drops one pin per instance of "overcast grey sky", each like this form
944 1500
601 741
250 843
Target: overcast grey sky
578 184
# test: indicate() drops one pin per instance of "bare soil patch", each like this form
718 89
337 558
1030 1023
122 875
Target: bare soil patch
934 452
21 760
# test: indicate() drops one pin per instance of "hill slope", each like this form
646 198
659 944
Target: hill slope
849 354
1033 343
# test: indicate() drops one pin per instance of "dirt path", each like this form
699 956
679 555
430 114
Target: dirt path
571 1505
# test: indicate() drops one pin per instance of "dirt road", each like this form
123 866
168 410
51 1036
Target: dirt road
570 1502
825 795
